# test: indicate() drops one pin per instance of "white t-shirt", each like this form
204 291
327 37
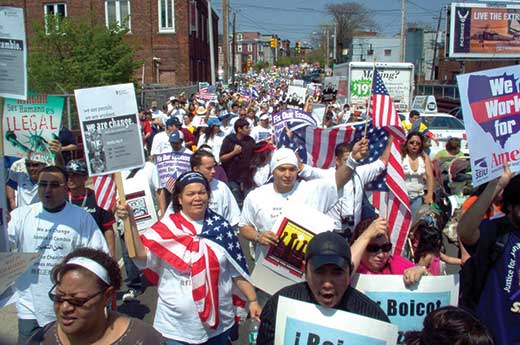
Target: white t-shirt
158 114
264 205
176 315
215 143
223 202
262 175
26 190
233 120
161 144
260 133
32 229
415 183
350 197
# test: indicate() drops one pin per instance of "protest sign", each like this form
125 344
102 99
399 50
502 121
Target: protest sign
407 307
13 265
282 265
490 102
330 88
172 164
302 323
140 198
110 128
29 125
13 54
295 97
298 82
291 118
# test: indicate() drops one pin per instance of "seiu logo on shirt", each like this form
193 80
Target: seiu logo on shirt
515 307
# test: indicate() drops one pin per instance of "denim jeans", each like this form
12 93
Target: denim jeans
26 329
220 339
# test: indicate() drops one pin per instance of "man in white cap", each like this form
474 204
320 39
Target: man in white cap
263 131
263 205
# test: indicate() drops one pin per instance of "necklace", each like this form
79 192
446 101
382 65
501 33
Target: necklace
84 202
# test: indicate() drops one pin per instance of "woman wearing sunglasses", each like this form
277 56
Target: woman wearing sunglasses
372 252
418 172
84 284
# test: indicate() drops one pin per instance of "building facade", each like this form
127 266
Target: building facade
382 49
172 35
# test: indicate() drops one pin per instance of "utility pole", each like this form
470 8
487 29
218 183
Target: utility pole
327 48
334 56
225 38
211 43
403 29
432 73
233 46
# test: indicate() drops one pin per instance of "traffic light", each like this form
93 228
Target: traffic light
298 47
274 42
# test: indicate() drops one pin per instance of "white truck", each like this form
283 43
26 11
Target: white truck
398 78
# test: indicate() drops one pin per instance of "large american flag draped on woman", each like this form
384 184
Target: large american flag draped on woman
175 240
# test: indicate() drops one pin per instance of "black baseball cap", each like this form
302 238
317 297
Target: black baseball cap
328 248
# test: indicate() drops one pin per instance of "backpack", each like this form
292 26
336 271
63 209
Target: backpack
493 239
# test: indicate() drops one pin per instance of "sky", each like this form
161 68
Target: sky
297 19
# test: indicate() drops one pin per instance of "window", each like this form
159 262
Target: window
239 48
260 48
249 48
166 16
117 12
239 37
370 52
59 10
219 49
388 52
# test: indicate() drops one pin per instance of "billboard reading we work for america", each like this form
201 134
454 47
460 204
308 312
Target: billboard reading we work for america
490 103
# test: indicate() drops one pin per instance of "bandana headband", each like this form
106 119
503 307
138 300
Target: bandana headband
92 266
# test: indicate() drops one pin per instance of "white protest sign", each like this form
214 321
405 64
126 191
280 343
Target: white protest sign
295 96
13 54
139 198
490 102
110 128
172 165
13 265
330 88
407 307
280 266
300 323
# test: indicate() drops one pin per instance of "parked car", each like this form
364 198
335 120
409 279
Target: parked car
444 126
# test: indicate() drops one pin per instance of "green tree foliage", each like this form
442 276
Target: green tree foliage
287 60
67 55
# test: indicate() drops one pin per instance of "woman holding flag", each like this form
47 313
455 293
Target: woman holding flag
196 258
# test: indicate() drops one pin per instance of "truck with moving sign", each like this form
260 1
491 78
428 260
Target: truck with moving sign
398 78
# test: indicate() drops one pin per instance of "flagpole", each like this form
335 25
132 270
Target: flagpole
369 98
129 238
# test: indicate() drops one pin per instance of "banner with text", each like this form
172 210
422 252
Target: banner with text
490 102
171 165
299 323
140 198
291 118
13 53
110 128
29 125
407 307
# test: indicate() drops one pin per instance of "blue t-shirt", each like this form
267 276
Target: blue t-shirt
499 304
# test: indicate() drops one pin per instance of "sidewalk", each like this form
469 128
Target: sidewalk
9 329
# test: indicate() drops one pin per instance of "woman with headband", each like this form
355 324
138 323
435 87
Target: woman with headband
194 256
84 284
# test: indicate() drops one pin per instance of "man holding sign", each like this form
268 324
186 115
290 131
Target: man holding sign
328 268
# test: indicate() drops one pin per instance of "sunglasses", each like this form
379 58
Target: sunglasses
413 142
75 301
34 165
53 184
374 248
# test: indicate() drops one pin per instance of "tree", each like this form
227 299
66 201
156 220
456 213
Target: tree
67 55
349 17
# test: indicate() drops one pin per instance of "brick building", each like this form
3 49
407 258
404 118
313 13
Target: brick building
172 35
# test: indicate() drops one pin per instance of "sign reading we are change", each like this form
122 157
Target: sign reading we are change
407 307
490 103
301 323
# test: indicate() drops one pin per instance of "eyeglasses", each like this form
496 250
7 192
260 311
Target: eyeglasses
75 301
53 184
33 165
413 142
374 248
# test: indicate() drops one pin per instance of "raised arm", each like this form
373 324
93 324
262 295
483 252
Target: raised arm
345 171
125 212
468 227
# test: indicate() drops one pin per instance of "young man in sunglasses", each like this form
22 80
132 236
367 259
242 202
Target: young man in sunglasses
53 228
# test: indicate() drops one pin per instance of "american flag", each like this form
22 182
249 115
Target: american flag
315 147
382 109
208 93
175 240
105 191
